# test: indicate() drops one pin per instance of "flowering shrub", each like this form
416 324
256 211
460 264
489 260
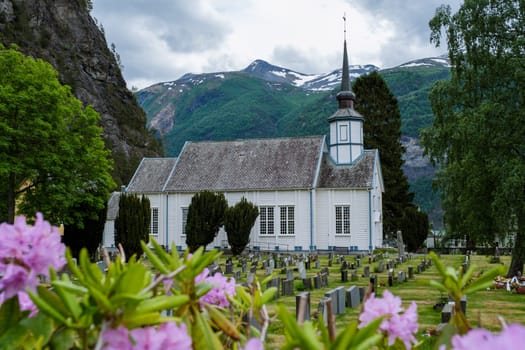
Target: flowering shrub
176 304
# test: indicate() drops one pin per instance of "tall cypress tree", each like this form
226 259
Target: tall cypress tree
382 131
205 217
132 223
238 222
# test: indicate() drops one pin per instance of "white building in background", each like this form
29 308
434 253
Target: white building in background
313 193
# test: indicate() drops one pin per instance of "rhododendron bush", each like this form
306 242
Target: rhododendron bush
171 301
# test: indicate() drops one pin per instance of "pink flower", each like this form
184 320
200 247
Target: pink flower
395 324
27 252
168 336
511 337
222 288
254 344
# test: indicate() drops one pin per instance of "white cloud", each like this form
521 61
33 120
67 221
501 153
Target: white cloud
160 40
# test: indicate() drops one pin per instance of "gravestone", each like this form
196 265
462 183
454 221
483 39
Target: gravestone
229 268
237 275
411 272
287 287
390 277
302 270
353 298
243 267
324 279
358 261
275 282
289 275
307 283
446 313
373 282
325 270
344 276
332 294
253 268
362 293
401 276
250 277
322 309
317 281
366 271
341 300
306 296
353 276
317 264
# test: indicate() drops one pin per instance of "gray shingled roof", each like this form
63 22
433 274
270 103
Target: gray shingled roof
357 175
257 164
151 175
113 206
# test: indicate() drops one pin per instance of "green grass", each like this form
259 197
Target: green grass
484 307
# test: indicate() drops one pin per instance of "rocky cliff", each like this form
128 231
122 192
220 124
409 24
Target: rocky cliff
63 33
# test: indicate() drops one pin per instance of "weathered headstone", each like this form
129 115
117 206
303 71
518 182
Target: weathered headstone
322 309
341 300
289 275
362 293
411 272
332 294
446 312
373 282
237 275
302 270
352 297
353 276
400 244
307 283
229 268
401 277
324 279
317 281
317 264
287 287
344 275
250 277
306 297
366 271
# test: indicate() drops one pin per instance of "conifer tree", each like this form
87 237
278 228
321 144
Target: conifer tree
382 131
238 222
205 217
132 223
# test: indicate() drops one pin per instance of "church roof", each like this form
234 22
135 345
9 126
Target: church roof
357 175
151 175
255 164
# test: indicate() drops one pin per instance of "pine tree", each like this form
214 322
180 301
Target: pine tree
132 223
205 217
382 131
238 222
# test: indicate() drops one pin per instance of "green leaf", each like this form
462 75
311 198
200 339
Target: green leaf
203 336
9 314
40 326
268 295
162 302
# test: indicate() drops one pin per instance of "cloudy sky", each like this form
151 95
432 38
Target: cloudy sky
160 40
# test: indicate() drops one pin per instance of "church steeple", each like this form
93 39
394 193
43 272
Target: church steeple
346 124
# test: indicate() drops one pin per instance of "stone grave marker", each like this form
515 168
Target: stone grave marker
237 275
317 264
390 277
344 275
250 277
332 294
289 275
362 293
306 296
353 276
302 270
366 271
317 281
411 272
307 282
341 300
401 277
229 268
324 280
353 298
287 287
322 309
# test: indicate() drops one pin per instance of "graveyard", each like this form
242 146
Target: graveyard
344 279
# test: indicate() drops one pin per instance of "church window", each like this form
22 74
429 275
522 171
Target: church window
266 220
154 223
342 220
184 220
287 220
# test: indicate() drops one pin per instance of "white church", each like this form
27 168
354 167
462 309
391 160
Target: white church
313 193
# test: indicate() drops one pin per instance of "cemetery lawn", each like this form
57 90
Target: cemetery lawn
484 308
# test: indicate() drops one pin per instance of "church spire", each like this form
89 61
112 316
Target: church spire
345 97
346 124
